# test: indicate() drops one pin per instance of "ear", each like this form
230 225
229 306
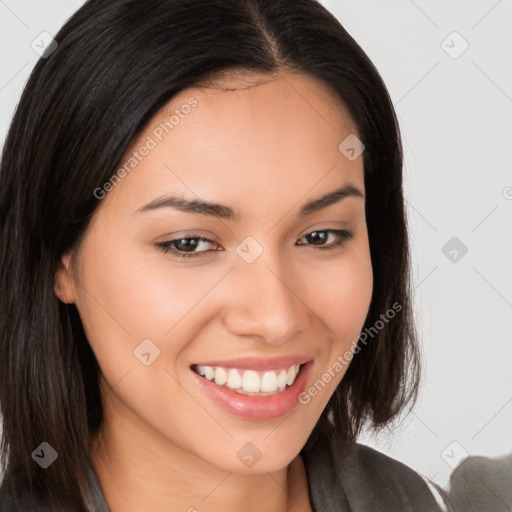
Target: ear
64 282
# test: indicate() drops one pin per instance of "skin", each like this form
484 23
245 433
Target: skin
263 148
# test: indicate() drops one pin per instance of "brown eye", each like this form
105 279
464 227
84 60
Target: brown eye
319 237
185 247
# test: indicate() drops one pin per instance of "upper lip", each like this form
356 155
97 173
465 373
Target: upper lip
259 363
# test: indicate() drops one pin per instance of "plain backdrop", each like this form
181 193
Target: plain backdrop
447 67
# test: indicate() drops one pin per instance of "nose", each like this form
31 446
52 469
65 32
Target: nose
263 302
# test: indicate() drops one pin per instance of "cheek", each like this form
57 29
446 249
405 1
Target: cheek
132 295
129 296
342 293
342 297
123 303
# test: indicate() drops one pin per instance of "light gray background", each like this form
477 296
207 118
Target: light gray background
456 120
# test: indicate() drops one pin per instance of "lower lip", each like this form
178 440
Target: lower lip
257 407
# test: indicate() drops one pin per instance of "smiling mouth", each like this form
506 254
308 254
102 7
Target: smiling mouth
250 382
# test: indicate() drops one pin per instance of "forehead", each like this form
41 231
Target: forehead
256 135
253 102
282 92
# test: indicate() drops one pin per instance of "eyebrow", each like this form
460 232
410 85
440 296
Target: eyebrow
225 212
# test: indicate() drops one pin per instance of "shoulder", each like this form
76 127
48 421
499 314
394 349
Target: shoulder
382 469
393 482
364 479
480 482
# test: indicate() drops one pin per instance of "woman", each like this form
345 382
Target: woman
205 266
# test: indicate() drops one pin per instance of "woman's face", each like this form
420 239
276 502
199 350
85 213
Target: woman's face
271 286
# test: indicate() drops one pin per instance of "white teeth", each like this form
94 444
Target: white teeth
221 376
292 373
249 381
269 382
209 372
234 380
281 380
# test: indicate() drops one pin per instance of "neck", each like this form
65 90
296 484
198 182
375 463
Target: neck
140 471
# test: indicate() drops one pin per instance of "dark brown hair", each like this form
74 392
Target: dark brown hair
117 63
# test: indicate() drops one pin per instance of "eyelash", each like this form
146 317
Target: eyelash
166 247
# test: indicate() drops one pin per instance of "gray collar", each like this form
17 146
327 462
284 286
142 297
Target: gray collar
95 501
